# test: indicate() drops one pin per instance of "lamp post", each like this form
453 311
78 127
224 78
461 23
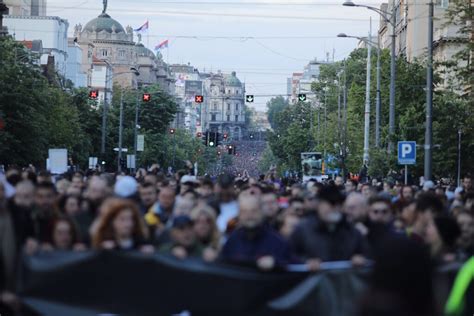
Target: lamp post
370 43
391 19
104 120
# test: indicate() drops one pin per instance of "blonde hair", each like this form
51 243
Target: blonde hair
211 214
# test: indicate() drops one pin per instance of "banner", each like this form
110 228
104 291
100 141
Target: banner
123 283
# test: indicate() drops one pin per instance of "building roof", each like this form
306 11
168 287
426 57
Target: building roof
104 23
232 80
143 51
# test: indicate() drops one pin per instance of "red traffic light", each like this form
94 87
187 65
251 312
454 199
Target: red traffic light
218 153
199 134
146 97
93 94
199 99
172 130
225 136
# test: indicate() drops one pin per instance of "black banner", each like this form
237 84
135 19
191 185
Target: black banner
120 283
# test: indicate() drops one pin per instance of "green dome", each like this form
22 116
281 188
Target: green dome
143 51
104 23
232 80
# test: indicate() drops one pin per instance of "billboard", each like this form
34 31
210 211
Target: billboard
193 87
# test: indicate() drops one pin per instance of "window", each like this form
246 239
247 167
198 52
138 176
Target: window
214 107
121 53
228 118
228 91
213 117
442 3
236 107
104 53
236 118
228 106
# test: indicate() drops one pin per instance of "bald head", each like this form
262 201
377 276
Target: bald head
355 207
250 211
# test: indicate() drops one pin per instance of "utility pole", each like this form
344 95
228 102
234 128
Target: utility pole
325 123
459 158
391 119
119 167
378 99
135 130
429 98
365 158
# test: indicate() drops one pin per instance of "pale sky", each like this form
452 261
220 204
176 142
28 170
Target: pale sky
264 41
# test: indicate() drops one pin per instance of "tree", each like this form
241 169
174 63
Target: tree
275 106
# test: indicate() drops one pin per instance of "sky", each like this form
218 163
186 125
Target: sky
264 41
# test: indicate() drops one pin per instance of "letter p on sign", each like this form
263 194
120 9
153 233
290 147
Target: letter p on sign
406 150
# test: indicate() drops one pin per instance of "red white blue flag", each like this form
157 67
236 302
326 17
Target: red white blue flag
161 45
143 28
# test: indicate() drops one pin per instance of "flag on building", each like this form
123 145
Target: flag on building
143 28
161 45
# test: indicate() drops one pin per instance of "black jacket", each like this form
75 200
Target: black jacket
313 239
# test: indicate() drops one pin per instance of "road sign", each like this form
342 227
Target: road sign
406 153
199 99
131 161
302 97
140 142
92 162
146 97
250 98
93 94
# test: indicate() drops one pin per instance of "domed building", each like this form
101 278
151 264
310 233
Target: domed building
224 109
112 52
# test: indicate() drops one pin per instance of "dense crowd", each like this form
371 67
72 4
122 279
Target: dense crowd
248 154
267 223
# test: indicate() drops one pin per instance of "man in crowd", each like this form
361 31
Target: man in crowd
328 237
253 242
148 196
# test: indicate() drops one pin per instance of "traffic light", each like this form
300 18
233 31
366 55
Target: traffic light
199 99
219 153
211 139
172 131
146 97
123 163
93 94
225 136
198 134
302 97
231 149
251 136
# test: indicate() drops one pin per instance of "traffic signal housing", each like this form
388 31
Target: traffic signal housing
94 94
172 131
146 97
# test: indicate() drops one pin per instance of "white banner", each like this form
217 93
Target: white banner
57 161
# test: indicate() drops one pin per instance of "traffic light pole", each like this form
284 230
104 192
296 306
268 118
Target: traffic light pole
429 99
119 167
135 133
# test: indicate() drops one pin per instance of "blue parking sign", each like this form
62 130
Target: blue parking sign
406 153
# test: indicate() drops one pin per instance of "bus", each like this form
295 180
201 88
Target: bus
312 166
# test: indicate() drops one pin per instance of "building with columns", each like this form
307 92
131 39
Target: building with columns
224 106
105 40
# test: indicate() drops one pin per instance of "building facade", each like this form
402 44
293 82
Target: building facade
224 107
51 30
74 70
26 7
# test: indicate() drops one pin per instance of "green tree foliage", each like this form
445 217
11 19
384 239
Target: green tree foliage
275 106
37 114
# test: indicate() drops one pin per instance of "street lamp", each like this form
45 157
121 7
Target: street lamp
134 71
378 98
390 18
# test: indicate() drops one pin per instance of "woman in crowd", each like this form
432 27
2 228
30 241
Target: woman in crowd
120 227
64 236
205 227
70 205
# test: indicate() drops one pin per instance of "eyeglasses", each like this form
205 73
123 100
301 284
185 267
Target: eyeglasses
381 211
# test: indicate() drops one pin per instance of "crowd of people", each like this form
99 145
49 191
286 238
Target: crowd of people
246 157
266 223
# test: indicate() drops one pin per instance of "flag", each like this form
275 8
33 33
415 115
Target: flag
161 45
142 28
